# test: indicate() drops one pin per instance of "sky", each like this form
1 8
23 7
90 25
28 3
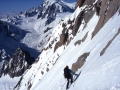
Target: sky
20 5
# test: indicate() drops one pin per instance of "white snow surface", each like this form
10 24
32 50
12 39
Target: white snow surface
98 72
6 84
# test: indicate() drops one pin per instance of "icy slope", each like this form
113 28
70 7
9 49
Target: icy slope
101 72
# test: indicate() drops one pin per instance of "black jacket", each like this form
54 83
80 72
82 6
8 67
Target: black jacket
67 73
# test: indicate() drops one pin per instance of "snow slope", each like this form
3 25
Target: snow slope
6 84
100 70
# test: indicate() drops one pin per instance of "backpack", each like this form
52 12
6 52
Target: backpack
67 73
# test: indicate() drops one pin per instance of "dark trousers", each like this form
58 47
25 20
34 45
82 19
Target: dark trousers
71 78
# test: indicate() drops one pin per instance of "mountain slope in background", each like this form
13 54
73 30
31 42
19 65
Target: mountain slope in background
24 36
88 40
38 23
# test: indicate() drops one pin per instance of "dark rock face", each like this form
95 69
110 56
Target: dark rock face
80 62
81 3
18 64
109 43
48 28
103 8
98 7
49 20
9 30
78 22
63 37
107 9
31 12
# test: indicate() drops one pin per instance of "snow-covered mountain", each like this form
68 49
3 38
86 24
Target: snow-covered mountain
24 36
88 40
28 29
39 22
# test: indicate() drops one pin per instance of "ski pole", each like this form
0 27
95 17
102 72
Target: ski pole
63 84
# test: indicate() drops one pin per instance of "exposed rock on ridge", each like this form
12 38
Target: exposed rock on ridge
80 62
20 61
83 17
107 10
104 8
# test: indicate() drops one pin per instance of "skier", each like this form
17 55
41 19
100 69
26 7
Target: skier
68 73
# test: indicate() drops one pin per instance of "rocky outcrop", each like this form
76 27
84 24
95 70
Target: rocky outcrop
18 64
105 48
81 3
63 39
9 30
85 15
107 9
48 28
80 62
98 7
78 22
49 20
82 40
31 12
